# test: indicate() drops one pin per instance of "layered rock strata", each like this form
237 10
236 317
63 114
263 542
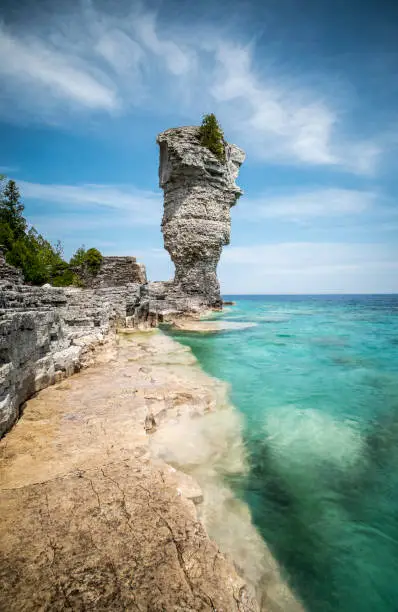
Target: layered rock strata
115 272
9 273
49 333
199 192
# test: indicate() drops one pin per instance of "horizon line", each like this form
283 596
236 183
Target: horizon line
313 294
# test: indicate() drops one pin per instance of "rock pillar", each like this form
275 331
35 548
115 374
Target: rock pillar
199 192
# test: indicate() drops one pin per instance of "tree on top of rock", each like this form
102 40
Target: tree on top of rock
212 137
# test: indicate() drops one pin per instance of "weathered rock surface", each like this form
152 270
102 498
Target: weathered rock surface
95 518
166 301
116 272
89 522
9 273
199 192
113 538
47 334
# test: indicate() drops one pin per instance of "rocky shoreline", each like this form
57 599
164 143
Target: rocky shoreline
112 488
97 512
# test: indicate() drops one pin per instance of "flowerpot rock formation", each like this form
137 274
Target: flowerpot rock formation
199 191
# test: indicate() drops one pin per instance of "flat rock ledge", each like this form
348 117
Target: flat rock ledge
90 520
109 488
117 537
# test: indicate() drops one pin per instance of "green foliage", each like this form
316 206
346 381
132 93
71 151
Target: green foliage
40 261
86 260
11 210
78 257
64 276
93 259
6 235
212 137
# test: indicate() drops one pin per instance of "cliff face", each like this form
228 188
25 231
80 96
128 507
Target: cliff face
115 272
199 192
47 334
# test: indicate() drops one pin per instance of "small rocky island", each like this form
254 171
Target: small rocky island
96 512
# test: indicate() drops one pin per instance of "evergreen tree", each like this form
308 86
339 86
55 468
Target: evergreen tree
11 209
212 137
40 261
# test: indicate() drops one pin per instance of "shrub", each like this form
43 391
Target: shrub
93 260
64 276
78 257
211 136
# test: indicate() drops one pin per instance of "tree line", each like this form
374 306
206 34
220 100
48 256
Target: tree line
40 261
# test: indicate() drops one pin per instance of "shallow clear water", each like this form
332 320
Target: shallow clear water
317 382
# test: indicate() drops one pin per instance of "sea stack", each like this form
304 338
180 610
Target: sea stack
199 191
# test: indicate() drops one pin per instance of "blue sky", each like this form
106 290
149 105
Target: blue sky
308 88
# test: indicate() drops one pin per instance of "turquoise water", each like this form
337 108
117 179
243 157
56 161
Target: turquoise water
317 381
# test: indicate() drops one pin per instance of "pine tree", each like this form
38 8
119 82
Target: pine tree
11 209
40 261
212 137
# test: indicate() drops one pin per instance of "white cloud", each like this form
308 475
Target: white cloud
142 206
36 65
101 62
279 119
310 267
121 52
327 202
177 59
305 256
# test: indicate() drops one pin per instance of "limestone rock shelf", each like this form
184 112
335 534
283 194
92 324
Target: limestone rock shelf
96 513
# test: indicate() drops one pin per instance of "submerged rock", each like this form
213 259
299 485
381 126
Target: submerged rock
191 325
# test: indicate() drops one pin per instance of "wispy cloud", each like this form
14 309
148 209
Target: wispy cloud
301 267
281 119
304 257
39 66
96 62
315 203
127 202
7 169
177 56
